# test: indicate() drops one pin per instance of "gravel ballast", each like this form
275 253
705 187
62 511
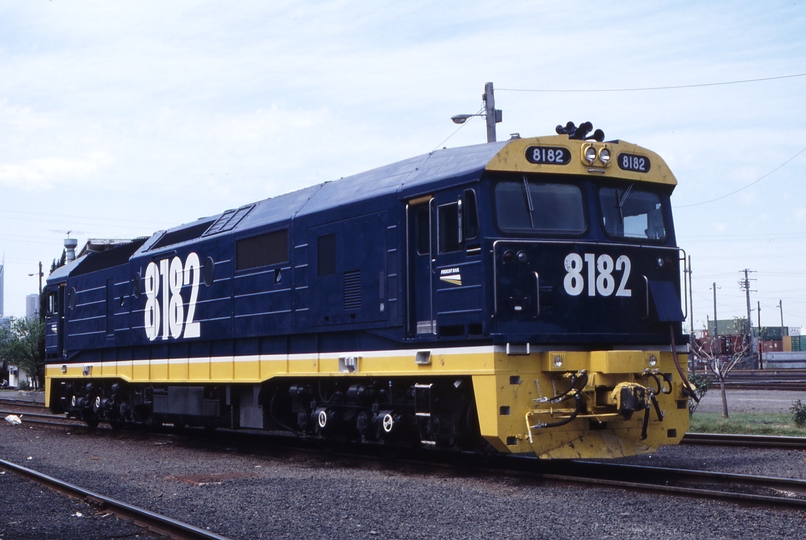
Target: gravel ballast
309 497
277 496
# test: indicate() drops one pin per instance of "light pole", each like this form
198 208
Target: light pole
38 311
491 114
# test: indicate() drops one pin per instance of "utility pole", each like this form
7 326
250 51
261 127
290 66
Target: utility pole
781 307
760 342
716 324
39 311
691 298
745 286
492 115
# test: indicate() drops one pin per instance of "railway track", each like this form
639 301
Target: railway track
792 380
737 488
743 489
755 441
145 518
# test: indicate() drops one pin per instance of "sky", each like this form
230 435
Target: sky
118 119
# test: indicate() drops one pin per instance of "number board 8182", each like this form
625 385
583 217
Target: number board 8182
548 155
633 162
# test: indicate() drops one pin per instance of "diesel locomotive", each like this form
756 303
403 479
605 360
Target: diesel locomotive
521 296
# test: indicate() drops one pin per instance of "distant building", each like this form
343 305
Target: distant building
32 306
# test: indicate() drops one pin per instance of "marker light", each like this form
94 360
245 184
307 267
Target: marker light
558 361
652 360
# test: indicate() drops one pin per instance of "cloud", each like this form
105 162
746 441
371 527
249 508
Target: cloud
44 173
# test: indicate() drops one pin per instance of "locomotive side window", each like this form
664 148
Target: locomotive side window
450 235
53 303
423 231
262 250
540 207
470 216
632 214
326 255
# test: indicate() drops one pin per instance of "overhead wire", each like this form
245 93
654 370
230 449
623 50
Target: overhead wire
743 187
652 88
675 87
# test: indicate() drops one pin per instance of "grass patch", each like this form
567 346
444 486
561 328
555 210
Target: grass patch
746 424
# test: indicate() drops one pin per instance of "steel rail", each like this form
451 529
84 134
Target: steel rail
151 520
34 415
732 487
23 404
756 441
732 496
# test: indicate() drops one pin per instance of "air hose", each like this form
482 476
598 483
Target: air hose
686 383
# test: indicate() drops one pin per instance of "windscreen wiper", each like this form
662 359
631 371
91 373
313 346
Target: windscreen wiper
622 200
529 201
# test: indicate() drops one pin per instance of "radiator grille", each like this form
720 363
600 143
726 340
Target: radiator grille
352 290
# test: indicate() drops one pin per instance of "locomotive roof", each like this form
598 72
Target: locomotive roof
449 165
410 178
435 170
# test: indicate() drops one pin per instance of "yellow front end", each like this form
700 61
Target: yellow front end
589 417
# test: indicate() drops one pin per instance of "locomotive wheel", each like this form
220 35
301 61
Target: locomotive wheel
388 423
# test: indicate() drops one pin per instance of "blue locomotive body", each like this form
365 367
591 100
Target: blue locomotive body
387 306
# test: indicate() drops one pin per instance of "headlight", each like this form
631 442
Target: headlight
590 154
558 361
604 156
652 360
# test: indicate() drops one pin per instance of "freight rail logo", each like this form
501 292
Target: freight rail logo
451 275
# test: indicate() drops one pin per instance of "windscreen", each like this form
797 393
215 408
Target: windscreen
539 206
632 213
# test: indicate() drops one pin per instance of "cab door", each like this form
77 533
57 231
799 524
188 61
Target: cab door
54 320
420 263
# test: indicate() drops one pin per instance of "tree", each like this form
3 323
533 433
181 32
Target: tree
22 343
58 263
736 351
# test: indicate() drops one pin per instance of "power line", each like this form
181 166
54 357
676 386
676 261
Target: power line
650 88
744 187
75 217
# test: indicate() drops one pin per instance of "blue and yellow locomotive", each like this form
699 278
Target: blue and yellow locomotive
521 296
